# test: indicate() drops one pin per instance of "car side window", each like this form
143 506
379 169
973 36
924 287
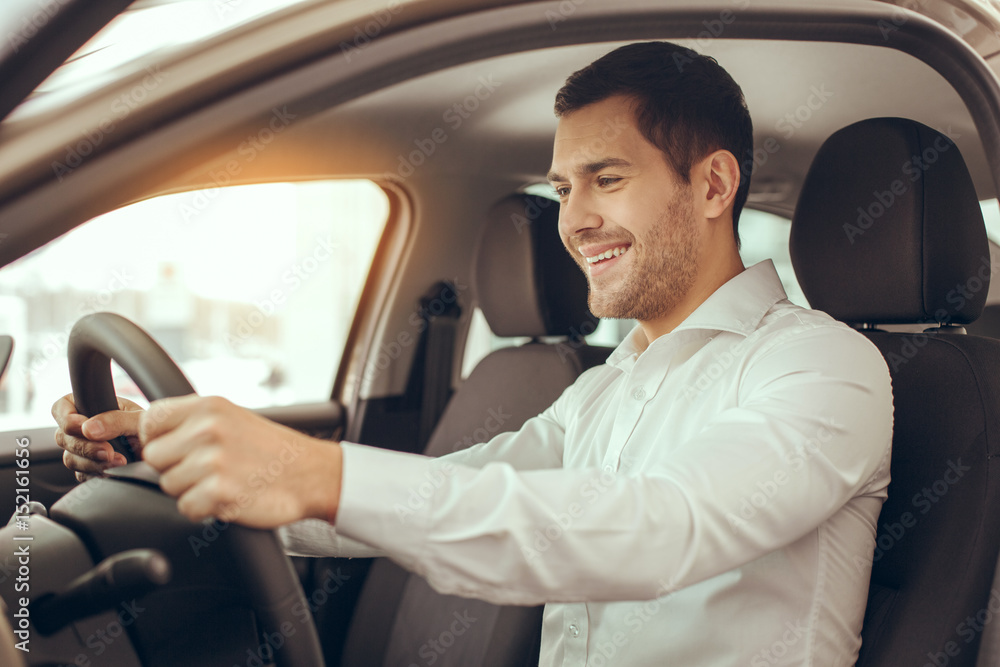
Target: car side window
991 215
765 236
251 289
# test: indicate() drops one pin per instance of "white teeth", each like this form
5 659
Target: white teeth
608 254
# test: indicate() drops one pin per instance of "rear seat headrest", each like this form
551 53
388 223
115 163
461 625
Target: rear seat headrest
526 282
888 228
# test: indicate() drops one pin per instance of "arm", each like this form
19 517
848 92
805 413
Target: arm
816 410
522 449
538 444
200 419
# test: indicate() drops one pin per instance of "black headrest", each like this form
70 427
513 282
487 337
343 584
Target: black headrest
527 283
888 228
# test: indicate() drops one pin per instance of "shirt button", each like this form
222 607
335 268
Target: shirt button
609 468
574 631
638 393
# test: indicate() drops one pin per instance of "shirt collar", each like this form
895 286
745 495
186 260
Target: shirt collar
738 307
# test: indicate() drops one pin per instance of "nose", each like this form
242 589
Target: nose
577 214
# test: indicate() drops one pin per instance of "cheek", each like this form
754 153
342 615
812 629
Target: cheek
630 218
649 222
565 239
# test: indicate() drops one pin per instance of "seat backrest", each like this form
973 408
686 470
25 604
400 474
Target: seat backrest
888 230
988 323
526 285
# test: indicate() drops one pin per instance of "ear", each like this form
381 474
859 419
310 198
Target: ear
721 173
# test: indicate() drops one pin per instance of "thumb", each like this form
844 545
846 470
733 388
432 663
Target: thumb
111 424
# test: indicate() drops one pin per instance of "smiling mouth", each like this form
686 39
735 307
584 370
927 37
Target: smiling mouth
607 254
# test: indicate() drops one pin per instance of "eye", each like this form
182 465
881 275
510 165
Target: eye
562 191
606 181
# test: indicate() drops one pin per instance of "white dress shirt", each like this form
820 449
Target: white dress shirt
709 499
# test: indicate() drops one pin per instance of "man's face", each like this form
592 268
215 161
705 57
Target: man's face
626 217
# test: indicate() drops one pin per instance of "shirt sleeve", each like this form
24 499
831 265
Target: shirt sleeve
817 408
315 538
538 444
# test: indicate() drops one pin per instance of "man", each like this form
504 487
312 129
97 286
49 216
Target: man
708 496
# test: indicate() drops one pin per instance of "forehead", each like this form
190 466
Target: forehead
605 129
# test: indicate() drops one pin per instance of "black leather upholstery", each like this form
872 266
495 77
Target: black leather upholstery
895 233
938 535
527 286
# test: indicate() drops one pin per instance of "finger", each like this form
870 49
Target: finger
170 449
63 408
188 472
101 452
165 415
66 406
70 421
205 499
84 465
96 451
73 424
126 404
111 424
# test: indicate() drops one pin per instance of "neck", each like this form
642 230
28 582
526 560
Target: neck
711 276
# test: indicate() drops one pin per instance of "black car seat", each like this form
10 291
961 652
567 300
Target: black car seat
888 230
527 285
988 323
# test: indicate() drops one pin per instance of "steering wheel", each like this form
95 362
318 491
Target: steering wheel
270 580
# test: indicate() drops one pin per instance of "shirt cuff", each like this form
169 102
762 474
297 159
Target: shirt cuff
316 538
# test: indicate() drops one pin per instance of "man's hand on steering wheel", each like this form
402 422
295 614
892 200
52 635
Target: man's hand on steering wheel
88 452
217 459
221 460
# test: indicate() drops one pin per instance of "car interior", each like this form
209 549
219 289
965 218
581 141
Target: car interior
467 306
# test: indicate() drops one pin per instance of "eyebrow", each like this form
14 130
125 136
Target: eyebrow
591 168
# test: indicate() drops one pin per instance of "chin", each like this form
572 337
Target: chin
604 310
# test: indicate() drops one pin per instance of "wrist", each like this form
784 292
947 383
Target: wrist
325 481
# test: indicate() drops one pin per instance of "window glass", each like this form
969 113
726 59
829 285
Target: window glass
763 236
991 214
251 289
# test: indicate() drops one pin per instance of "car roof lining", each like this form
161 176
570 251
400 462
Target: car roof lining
779 78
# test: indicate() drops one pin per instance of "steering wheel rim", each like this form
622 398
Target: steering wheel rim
99 338
273 586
